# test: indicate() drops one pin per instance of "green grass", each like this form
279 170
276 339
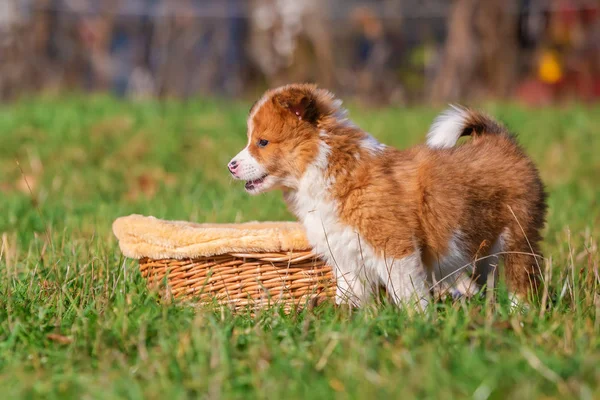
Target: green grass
76 320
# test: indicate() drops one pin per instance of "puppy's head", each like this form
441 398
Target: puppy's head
283 137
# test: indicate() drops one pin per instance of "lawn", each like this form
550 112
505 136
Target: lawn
76 320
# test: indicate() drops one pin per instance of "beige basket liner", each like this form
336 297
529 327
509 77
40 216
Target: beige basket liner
140 236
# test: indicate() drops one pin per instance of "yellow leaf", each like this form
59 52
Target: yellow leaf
549 70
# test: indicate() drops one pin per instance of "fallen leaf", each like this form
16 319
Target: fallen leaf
58 338
27 184
336 385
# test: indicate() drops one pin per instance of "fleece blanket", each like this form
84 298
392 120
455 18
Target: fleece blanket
140 236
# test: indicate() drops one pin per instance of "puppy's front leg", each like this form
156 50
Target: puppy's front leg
353 287
405 280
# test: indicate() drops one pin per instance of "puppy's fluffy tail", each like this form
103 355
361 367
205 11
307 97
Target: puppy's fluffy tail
455 122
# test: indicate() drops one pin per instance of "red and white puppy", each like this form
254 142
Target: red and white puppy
405 220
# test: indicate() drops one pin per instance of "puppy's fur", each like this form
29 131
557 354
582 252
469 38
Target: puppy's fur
408 220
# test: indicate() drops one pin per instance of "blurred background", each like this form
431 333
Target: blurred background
377 52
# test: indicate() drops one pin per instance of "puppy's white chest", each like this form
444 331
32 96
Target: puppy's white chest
338 243
330 238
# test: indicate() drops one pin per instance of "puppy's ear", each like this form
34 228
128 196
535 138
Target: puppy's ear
302 108
301 103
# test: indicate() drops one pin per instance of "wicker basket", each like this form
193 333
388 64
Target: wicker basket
241 265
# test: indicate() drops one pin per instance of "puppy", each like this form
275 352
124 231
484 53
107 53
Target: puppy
406 220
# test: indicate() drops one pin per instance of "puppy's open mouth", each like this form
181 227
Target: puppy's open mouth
255 184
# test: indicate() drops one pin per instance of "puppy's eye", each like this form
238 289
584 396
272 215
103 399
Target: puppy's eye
262 143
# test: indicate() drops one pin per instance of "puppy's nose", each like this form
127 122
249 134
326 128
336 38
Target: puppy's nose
232 166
